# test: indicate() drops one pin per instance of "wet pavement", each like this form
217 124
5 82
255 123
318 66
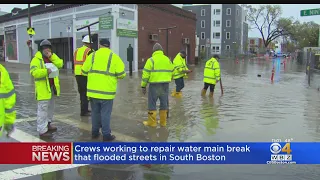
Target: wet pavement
251 109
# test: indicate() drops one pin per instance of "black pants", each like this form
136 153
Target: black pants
179 84
82 89
206 85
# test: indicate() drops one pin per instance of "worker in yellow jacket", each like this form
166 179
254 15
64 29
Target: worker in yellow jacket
45 87
104 68
7 102
80 56
180 72
158 73
211 75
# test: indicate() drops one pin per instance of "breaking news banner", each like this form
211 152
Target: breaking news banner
160 153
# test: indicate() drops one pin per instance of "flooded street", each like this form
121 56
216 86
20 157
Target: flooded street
251 109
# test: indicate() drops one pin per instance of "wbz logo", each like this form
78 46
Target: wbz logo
276 148
281 157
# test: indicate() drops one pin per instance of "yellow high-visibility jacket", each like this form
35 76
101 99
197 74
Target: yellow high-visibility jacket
179 66
158 69
7 100
40 73
79 57
104 68
211 71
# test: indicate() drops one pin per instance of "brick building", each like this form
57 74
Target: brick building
154 16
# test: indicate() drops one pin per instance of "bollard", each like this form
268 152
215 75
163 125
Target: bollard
130 58
272 75
284 64
237 60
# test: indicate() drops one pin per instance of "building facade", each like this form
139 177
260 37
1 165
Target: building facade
154 17
221 27
120 23
255 44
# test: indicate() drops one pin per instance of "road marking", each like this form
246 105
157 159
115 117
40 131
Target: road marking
24 172
22 136
65 118
35 170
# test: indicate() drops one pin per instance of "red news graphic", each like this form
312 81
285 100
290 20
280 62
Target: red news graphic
36 153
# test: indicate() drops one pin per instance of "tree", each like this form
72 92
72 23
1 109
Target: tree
303 34
266 20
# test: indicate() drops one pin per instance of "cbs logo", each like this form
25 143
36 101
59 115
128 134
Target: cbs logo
276 148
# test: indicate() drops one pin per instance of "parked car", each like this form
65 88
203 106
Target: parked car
284 55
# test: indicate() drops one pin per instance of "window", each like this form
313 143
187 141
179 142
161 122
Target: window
203 24
245 18
228 23
216 23
190 10
216 12
228 11
203 12
215 49
228 47
202 47
227 35
216 35
203 35
237 12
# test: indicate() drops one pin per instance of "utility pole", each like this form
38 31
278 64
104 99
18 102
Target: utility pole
167 51
167 37
29 20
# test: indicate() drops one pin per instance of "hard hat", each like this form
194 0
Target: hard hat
86 39
45 43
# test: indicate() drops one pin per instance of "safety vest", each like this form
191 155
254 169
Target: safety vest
179 66
211 71
79 57
104 68
40 73
158 69
7 100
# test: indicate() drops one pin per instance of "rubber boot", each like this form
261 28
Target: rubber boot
163 117
203 92
173 93
152 122
51 128
211 95
178 94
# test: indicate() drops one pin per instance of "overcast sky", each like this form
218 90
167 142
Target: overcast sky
288 10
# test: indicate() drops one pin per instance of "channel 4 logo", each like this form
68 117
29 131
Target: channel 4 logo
280 153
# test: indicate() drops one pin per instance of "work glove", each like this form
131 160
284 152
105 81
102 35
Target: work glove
144 90
9 129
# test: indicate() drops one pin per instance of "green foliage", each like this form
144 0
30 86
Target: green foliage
304 34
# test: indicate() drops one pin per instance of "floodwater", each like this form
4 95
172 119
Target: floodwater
251 109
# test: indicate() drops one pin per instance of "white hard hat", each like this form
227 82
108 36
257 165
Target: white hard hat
86 39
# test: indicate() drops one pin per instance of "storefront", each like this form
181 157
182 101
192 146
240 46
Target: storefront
118 23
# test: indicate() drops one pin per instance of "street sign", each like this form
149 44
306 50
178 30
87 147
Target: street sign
310 12
31 31
68 29
207 45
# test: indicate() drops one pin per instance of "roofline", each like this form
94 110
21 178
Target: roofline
36 10
196 5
